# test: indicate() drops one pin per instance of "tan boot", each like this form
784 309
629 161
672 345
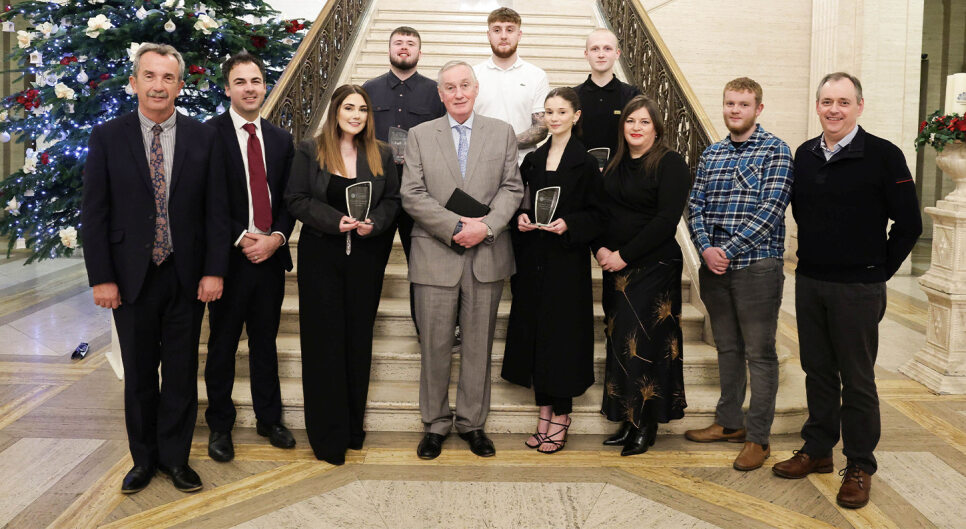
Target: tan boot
713 433
752 456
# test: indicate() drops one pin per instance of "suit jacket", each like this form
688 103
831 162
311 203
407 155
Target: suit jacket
431 175
118 212
307 198
279 151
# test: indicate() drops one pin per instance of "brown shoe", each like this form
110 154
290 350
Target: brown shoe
752 456
856 484
801 465
713 433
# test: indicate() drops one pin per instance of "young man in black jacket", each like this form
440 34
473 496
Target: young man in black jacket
848 185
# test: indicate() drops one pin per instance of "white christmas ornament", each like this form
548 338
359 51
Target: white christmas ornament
4 137
30 166
169 26
132 50
68 237
141 13
63 91
36 58
205 24
13 207
21 244
46 28
98 24
28 193
9 27
3 115
82 77
24 38
70 108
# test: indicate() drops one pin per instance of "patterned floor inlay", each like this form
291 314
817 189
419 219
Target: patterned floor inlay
930 485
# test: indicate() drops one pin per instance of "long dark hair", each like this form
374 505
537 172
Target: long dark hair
657 151
327 141
569 95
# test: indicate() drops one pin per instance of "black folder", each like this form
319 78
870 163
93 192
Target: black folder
465 206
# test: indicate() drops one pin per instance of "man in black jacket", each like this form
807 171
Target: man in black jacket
155 230
848 185
258 157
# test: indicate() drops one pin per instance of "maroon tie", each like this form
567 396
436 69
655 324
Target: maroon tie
261 206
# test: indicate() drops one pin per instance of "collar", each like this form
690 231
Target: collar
854 149
490 64
468 123
238 121
841 144
753 139
610 86
147 123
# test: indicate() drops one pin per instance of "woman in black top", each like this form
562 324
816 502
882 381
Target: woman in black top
550 335
341 263
645 190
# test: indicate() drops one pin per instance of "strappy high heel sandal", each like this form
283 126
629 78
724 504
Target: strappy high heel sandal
557 445
538 436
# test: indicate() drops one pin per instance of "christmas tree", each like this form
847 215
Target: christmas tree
79 54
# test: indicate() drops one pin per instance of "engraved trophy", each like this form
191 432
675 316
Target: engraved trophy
545 205
602 154
397 142
357 200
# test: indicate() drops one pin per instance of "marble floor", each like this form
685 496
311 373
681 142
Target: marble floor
63 452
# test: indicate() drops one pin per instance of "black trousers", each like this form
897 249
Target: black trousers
560 405
161 327
338 299
838 334
253 298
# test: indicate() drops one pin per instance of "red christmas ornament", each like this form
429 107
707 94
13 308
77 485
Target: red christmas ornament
93 85
44 158
105 76
259 42
294 26
195 69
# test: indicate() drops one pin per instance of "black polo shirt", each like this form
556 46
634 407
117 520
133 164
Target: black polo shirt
402 104
601 111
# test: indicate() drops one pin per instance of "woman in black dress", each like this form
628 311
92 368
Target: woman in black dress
550 335
341 262
645 190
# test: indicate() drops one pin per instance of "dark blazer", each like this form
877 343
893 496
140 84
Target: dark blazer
279 151
307 199
118 206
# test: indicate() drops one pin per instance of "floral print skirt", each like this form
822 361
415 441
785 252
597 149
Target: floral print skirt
644 374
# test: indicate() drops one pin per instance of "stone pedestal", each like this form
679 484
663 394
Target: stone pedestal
941 364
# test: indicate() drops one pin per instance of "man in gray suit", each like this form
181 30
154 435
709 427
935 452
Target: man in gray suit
464 153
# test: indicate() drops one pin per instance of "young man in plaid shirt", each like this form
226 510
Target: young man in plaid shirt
737 223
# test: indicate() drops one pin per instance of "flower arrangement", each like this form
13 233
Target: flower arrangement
940 130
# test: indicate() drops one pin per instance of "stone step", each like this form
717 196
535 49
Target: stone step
431 40
570 77
476 25
394 406
474 51
417 17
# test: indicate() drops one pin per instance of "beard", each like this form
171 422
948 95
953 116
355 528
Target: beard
741 128
404 64
503 54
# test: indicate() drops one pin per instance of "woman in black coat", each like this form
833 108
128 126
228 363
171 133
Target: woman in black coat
550 335
341 263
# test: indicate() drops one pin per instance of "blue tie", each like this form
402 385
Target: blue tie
463 149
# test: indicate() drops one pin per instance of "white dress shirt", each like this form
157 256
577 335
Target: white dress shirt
239 122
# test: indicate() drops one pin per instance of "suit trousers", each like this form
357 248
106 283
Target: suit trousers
436 309
743 307
252 298
338 300
838 335
162 326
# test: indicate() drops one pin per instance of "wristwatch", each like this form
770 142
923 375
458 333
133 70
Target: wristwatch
489 234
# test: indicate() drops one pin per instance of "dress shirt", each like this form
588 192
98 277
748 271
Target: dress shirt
739 198
453 127
402 104
167 137
829 153
601 111
512 95
238 122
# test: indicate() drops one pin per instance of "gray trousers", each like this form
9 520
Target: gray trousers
743 306
436 310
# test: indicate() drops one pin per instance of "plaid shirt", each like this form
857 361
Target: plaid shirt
739 198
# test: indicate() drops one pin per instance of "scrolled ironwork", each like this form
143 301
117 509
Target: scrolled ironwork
298 99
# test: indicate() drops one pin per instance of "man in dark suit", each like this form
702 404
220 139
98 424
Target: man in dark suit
155 232
258 158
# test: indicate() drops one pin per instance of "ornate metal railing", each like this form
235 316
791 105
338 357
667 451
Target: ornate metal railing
648 63
298 99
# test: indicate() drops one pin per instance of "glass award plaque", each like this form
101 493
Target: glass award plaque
397 142
357 200
545 205
602 154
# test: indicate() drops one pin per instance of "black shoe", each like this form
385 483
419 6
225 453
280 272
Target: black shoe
277 434
640 440
184 479
480 444
430 446
619 438
137 479
220 447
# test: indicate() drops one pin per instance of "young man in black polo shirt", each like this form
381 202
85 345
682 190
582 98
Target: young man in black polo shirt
602 95
848 185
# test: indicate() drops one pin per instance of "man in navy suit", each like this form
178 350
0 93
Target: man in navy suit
156 240
258 156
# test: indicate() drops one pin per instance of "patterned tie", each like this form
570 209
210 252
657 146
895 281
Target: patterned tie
257 181
162 239
463 149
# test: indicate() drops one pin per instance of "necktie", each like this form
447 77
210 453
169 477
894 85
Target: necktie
463 149
257 181
162 238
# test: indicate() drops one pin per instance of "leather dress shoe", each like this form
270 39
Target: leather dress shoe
619 438
430 446
277 434
640 439
801 465
480 444
752 456
856 484
184 479
220 447
137 479
714 433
